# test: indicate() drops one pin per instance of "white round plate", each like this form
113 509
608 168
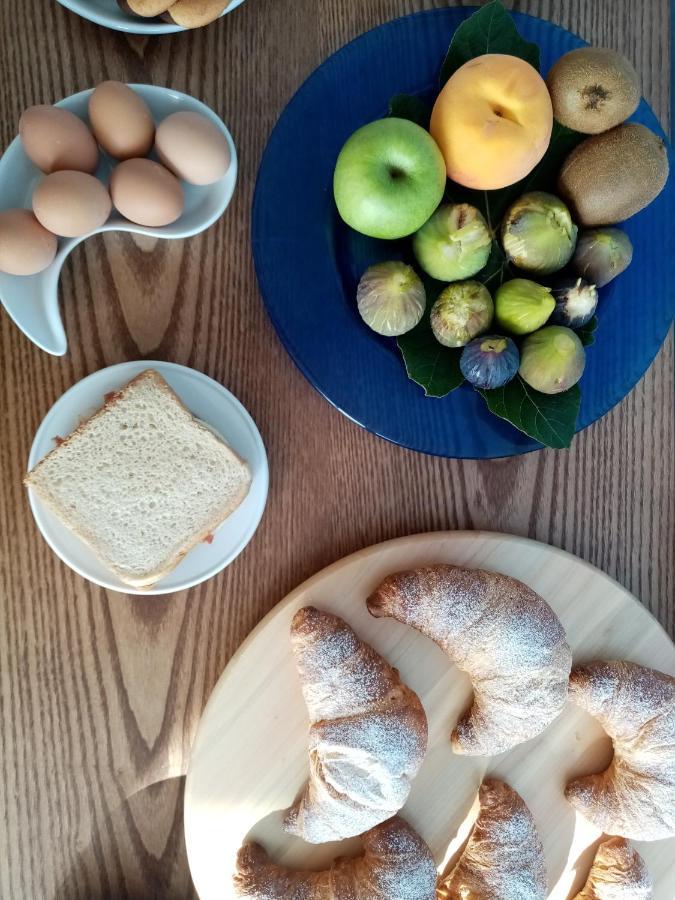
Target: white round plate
109 14
249 757
207 400
32 300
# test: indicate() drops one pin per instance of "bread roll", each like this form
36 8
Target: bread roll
618 873
504 858
368 732
506 637
396 865
195 13
145 8
635 796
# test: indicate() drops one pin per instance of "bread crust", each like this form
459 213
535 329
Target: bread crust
635 796
151 577
618 873
195 13
499 631
146 9
368 732
395 863
504 856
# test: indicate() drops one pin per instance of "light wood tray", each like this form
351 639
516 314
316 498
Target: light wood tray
250 759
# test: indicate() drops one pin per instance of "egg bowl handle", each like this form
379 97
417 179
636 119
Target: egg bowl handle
32 302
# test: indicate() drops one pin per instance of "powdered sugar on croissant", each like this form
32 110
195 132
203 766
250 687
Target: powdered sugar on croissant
499 631
368 732
504 857
618 873
635 796
396 865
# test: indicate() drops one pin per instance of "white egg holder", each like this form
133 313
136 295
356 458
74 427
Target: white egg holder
109 14
32 301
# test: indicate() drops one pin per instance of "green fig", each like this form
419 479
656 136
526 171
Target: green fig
522 306
391 298
462 311
552 359
454 243
538 234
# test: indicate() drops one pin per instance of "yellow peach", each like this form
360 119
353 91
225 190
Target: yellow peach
492 121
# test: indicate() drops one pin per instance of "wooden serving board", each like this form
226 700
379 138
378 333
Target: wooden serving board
250 759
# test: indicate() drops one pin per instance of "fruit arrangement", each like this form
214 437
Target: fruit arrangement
503 198
71 200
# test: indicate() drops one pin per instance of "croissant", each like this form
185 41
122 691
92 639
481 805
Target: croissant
506 637
368 733
635 796
504 858
618 873
396 865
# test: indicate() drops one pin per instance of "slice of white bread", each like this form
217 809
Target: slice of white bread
141 481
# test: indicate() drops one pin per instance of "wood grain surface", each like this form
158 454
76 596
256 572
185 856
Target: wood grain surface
100 694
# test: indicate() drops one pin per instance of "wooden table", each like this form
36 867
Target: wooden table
100 694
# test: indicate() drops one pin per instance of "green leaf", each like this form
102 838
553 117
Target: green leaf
548 418
406 106
545 174
489 30
587 332
496 270
428 363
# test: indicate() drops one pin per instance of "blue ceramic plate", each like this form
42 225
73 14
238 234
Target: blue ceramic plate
309 262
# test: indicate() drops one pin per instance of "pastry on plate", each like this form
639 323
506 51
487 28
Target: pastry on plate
618 873
186 13
367 736
147 9
504 858
499 631
396 864
195 13
635 796
141 481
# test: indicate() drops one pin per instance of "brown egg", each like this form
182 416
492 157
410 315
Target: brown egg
146 193
192 147
71 204
121 121
55 139
26 248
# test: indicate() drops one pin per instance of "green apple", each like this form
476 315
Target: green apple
389 178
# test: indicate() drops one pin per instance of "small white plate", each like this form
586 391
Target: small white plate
32 300
207 400
109 14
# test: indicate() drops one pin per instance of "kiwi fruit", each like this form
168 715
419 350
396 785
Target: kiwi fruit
609 177
593 89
